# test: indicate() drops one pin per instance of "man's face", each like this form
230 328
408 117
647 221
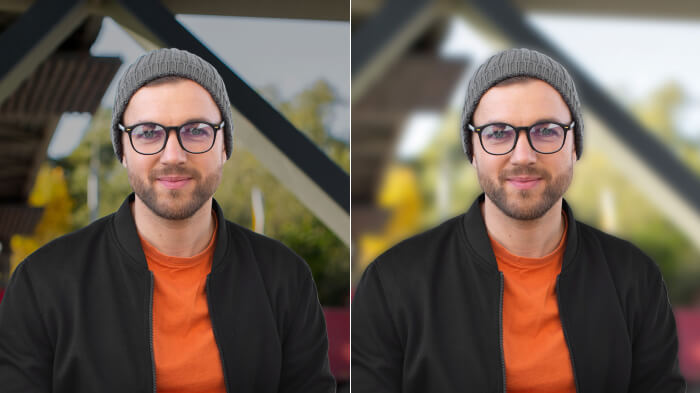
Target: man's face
523 184
173 183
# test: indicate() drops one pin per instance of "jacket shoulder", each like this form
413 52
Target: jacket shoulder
421 252
270 255
624 259
66 253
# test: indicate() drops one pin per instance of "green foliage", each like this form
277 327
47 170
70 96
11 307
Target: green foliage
286 219
307 112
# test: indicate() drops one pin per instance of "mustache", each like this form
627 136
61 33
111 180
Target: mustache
173 171
524 171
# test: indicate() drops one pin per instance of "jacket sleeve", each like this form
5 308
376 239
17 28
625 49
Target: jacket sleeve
655 343
377 353
25 349
305 366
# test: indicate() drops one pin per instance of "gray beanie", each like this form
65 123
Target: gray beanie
520 62
170 62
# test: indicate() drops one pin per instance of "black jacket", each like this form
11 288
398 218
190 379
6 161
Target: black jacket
426 315
76 316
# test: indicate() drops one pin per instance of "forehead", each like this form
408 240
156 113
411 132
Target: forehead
171 102
522 102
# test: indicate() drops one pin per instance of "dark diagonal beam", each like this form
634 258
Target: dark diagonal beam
33 37
384 37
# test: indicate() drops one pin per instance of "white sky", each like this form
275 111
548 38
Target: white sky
288 55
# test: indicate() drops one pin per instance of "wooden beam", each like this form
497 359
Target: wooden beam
384 37
33 37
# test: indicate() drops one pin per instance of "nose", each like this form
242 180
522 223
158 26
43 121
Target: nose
523 154
173 153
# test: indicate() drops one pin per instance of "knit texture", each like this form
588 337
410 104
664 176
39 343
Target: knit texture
170 62
520 62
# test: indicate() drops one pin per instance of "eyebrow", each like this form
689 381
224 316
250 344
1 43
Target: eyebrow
540 120
190 120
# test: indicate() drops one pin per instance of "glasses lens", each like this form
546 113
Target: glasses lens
498 138
197 137
148 138
547 137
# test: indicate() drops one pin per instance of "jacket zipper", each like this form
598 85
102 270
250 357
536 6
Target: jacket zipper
566 337
500 331
216 338
150 330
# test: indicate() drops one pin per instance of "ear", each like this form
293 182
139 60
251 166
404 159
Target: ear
125 143
123 157
223 153
473 152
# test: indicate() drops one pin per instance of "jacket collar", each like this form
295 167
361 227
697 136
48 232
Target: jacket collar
128 238
478 238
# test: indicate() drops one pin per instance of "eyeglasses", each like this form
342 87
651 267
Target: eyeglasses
150 138
501 138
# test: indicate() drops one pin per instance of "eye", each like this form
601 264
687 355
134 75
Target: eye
497 132
147 132
197 130
548 130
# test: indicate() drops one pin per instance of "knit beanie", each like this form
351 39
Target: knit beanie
520 62
170 62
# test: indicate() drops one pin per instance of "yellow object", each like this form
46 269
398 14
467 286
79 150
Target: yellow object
400 195
50 192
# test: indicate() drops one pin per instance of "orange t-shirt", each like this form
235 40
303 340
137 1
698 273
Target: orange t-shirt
186 356
536 355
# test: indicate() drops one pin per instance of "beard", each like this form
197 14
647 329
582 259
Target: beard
175 204
526 204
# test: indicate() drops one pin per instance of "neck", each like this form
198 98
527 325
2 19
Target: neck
525 238
176 238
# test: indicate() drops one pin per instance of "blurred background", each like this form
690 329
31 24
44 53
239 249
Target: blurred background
286 68
636 68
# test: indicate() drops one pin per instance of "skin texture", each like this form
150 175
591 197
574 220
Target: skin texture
523 188
174 188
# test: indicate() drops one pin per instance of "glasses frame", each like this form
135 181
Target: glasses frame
177 129
517 135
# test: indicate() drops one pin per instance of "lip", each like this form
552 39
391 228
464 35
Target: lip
174 182
524 182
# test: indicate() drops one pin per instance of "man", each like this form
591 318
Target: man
515 295
165 294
